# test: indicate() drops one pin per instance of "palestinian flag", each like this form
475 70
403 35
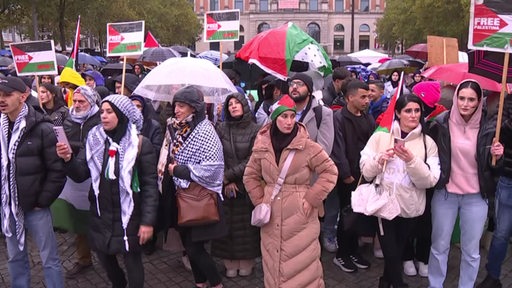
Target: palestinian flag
491 25
74 54
125 38
34 58
388 117
151 41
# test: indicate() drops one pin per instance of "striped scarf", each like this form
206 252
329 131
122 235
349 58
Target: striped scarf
9 193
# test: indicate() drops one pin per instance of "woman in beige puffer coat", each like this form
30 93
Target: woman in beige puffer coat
289 242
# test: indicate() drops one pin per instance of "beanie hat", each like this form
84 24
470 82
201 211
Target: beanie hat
131 81
71 76
429 92
286 103
90 94
192 96
125 105
304 78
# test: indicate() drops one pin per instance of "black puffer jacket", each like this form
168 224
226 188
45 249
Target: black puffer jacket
77 132
106 231
40 174
440 132
237 139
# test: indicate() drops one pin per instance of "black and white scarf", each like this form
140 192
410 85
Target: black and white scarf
127 151
9 192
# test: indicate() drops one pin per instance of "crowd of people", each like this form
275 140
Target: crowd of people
114 182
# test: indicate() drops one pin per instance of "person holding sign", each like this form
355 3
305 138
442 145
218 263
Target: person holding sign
32 178
503 230
465 141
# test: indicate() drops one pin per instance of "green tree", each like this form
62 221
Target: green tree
410 21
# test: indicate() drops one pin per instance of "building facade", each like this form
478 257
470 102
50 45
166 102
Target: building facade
327 21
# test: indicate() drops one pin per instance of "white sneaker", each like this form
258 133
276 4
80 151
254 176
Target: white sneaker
409 268
377 253
422 269
330 244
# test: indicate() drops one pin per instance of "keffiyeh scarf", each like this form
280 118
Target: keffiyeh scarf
9 192
202 153
127 151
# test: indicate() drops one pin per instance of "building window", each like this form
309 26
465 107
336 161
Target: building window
339 42
339 28
339 6
241 39
364 6
239 4
263 27
240 42
263 5
313 5
214 5
314 31
215 46
364 28
364 42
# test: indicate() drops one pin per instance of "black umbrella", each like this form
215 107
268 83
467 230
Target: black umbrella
345 60
184 51
114 69
158 54
395 64
489 64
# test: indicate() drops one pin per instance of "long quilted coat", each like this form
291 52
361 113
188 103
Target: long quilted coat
289 242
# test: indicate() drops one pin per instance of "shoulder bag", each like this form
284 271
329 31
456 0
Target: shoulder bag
261 213
196 206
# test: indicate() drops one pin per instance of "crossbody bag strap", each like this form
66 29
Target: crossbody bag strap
282 175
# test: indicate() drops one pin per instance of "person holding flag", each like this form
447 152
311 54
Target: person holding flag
408 168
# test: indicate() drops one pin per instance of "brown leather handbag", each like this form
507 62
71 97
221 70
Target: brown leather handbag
196 206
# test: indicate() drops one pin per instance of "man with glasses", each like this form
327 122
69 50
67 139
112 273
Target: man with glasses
318 121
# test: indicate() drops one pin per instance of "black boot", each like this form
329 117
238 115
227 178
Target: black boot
384 283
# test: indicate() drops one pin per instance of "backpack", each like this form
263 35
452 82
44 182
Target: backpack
318 115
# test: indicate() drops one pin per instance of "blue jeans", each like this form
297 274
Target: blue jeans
503 230
472 209
332 209
38 224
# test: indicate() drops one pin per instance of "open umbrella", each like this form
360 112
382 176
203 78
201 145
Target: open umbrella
5 61
114 69
489 64
346 60
158 54
165 79
184 51
275 49
61 59
84 58
455 73
388 67
418 51
213 56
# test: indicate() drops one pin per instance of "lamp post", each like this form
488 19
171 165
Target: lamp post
352 27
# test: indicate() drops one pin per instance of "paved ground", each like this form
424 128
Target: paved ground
164 269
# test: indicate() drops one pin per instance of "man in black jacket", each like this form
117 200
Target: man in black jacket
332 92
503 211
32 178
353 126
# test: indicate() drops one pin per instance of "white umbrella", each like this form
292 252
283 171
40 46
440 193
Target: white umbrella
165 79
